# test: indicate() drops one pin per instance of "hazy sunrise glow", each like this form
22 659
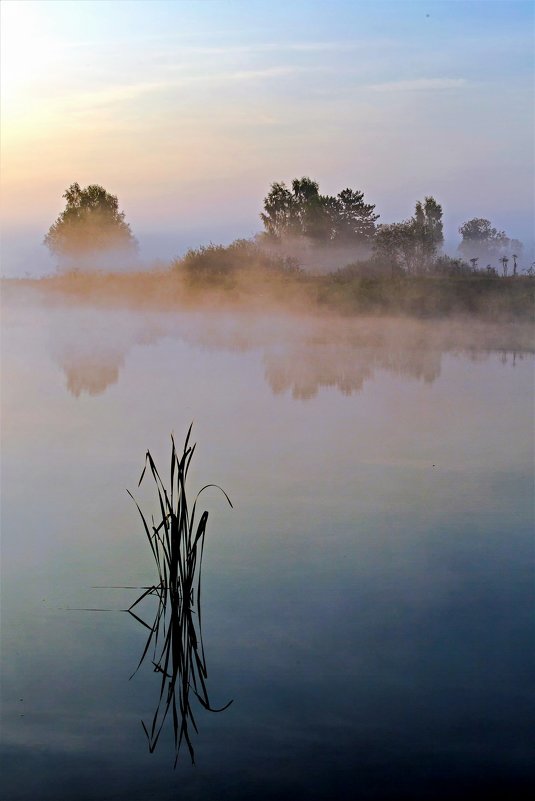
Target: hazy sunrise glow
189 110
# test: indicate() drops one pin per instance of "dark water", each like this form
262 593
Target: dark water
367 604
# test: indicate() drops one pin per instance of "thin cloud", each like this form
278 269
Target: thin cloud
271 47
125 92
173 45
419 85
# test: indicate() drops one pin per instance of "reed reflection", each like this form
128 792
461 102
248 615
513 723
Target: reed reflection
174 643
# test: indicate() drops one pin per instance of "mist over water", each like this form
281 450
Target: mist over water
299 356
365 603
300 352
23 253
294 240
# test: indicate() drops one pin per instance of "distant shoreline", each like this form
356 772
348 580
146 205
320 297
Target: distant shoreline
482 297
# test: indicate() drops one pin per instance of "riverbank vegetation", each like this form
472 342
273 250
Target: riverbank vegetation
346 291
317 252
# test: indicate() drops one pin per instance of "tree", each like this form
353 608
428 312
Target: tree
481 239
345 219
427 223
355 218
279 207
412 245
394 243
311 211
90 224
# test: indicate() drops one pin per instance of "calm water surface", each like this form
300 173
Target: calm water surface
367 604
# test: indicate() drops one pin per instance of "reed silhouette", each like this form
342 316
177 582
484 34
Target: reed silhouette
174 642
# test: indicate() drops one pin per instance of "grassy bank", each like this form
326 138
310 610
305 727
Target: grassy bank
242 275
428 296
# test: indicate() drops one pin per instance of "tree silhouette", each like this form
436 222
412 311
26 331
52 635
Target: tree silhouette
412 245
345 219
90 224
481 239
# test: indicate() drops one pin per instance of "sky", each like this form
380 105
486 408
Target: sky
188 111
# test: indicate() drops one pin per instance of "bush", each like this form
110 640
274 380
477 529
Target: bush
218 263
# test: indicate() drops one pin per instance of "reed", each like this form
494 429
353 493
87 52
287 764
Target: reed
175 636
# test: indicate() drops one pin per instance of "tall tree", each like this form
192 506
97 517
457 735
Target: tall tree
412 245
428 229
303 211
279 216
355 218
90 224
310 209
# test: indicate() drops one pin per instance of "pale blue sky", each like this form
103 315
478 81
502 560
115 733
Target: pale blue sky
189 110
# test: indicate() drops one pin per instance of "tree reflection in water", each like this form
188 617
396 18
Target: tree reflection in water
300 354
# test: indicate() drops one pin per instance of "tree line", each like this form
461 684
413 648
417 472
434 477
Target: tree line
412 246
92 223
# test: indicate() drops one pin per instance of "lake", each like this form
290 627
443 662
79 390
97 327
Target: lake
367 604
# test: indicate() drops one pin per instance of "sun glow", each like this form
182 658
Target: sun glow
26 52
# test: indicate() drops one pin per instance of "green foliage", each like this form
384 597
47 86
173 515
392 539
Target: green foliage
395 243
482 241
412 245
482 295
481 230
448 267
217 262
279 206
427 223
365 268
303 212
355 219
90 224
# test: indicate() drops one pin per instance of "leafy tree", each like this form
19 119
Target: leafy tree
280 213
394 243
303 211
90 224
355 219
481 239
412 245
427 224
311 211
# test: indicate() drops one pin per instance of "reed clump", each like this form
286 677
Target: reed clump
175 636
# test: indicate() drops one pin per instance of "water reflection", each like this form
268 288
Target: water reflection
303 370
175 636
91 376
352 563
300 355
178 656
